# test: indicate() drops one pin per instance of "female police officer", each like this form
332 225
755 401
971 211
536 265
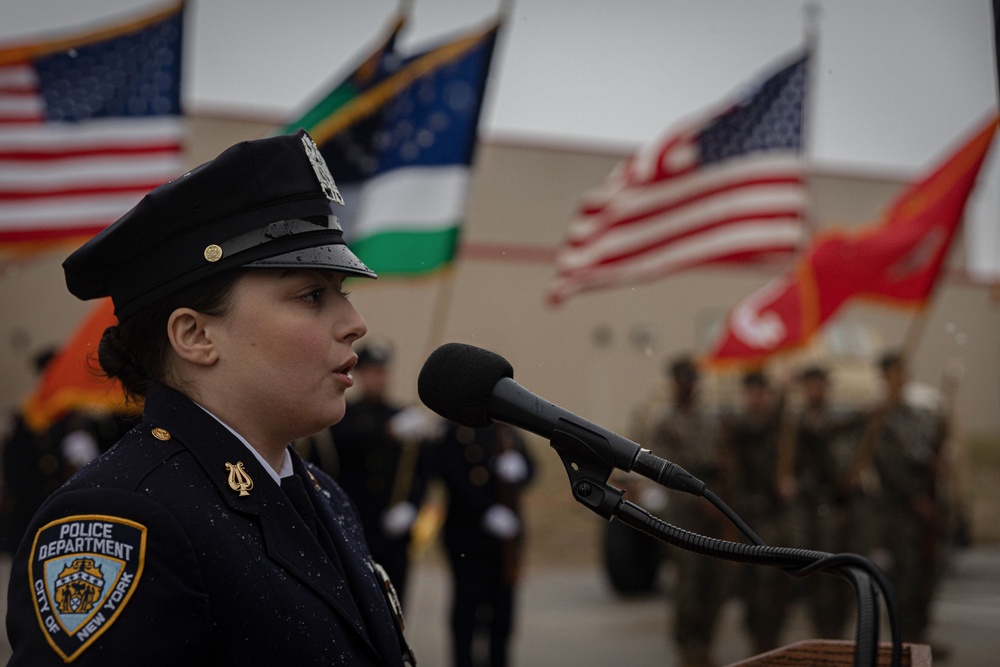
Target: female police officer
201 538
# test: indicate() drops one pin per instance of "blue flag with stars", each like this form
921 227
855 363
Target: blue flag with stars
400 147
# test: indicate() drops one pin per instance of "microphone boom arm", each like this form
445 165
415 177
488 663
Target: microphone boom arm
589 470
589 465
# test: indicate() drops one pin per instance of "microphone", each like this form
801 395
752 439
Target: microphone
475 387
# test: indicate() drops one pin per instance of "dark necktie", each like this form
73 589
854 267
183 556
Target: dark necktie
295 489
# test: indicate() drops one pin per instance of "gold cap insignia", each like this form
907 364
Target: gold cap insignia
160 433
239 480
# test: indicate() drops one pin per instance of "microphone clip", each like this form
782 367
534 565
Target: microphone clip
588 470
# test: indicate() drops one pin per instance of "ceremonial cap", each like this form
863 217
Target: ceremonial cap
375 353
263 203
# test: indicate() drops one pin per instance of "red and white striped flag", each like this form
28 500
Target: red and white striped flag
728 189
89 123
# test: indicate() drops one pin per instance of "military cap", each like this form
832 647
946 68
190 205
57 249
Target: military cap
375 353
262 203
754 379
813 373
683 369
890 359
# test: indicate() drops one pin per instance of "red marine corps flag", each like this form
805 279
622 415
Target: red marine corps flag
896 260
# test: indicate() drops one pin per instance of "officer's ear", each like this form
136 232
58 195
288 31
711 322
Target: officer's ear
190 337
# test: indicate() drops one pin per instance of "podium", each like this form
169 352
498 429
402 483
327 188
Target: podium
832 653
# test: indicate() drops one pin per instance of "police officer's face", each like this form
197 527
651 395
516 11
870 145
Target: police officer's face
285 349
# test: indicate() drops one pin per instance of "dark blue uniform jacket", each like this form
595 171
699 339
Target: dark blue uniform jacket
149 557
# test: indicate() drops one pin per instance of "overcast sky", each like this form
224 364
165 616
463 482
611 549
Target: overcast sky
896 83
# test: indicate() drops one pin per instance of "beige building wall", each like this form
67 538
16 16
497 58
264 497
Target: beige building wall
600 354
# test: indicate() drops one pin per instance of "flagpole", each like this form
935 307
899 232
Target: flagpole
440 311
443 298
811 12
915 330
445 292
506 9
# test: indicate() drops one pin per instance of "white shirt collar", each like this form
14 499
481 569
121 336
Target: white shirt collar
286 461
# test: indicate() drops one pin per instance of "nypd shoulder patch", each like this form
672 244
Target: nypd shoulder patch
83 570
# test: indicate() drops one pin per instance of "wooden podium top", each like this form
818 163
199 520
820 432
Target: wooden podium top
832 653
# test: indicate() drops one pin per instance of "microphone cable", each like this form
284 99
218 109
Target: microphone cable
797 562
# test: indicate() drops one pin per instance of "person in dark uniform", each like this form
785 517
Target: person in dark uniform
32 468
202 538
483 471
381 461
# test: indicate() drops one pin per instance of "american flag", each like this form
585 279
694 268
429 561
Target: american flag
88 124
726 189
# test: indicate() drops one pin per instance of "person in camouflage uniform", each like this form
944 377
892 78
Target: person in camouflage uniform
813 466
752 437
685 432
906 444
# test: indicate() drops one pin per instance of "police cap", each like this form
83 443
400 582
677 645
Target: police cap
375 353
262 203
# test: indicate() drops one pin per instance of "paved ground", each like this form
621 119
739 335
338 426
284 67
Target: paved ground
569 616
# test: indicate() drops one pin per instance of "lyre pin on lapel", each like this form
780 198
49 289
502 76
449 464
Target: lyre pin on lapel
239 480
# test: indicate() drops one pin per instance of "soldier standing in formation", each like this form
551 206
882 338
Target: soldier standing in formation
813 467
685 432
905 445
752 442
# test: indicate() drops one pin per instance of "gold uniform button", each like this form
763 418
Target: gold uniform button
213 253
479 476
473 453
161 434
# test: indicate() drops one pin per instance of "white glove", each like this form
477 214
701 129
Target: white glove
79 448
500 521
511 467
416 424
398 519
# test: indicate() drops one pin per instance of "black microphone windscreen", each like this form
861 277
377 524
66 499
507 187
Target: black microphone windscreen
457 382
